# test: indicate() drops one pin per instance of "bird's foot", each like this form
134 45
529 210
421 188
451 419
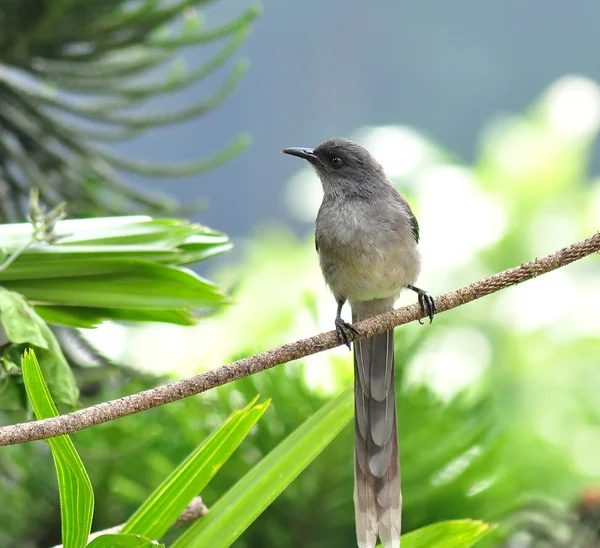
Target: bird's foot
345 331
426 302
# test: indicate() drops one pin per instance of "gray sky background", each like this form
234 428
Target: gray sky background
323 68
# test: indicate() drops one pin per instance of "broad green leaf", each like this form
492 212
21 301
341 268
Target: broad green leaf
88 317
123 541
248 498
141 285
77 227
55 263
116 268
447 534
194 253
112 237
159 512
168 236
98 228
60 261
22 326
75 488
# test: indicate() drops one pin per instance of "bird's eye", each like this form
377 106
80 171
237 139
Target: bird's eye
337 162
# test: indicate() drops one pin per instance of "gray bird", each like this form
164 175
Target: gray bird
366 238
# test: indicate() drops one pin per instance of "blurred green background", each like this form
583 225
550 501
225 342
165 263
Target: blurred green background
499 414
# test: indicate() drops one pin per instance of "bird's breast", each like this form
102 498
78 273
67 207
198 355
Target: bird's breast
366 255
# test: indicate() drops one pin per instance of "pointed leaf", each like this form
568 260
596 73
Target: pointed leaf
89 317
22 326
248 498
123 541
75 488
448 534
162 508
140 285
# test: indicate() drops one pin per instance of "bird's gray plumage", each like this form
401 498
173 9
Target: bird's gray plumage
366 237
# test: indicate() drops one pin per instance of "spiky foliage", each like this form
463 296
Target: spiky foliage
74 74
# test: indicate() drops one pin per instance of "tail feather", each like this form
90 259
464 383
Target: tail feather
364 507
377 498
389 500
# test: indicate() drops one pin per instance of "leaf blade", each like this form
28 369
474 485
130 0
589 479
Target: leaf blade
75 487
22 326
448 534
89 317
141 285
248 498
162 508
123 541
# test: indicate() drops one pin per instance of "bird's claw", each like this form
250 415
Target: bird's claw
427 304
345 331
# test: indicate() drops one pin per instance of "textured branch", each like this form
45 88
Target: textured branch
195 509
161 395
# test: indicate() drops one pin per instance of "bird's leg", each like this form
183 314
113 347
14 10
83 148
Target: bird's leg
343 329
426 302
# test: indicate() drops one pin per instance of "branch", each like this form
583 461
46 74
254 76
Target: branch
161 395
195 509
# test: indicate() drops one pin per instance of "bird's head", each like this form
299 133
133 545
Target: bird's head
342 165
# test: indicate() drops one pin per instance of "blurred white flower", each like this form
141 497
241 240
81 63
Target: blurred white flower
551 228
458 217
401 151
572 105
537 303
303 195
519 148
449 362
108 336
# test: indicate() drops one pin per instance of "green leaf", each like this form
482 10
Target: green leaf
123 541
75 488
248 498
22 326
97 246
448 534
140 285
12 397
89 317
114 268
163 507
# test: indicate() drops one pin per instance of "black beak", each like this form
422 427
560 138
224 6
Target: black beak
305 153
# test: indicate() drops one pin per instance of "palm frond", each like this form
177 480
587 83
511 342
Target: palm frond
74 75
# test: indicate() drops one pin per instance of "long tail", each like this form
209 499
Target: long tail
377 497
